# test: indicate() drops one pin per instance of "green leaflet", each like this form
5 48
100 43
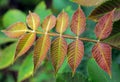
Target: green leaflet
26 69
15 15
4 39
7 56
66 77
42 11
96 74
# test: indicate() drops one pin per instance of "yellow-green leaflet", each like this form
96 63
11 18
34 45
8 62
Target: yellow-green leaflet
16 30
24 44
33 21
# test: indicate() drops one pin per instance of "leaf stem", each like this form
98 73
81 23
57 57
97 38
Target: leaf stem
65 36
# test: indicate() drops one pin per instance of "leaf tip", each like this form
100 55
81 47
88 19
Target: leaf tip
30 12
110 74
73 73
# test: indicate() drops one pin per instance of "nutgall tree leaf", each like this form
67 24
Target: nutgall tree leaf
75 54
89 2
58 52
114 38
102 54
62 22
33 20
40 50
104 8
15 30
24 44
78 22
104 26
48 23
114 41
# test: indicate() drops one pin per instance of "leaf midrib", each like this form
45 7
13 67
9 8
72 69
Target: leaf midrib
33 21
103 57
31 34
42 47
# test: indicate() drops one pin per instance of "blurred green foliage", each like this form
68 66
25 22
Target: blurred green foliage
12 11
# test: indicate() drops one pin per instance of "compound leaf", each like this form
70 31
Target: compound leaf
33 20
15 30
105 8
41 48
48 23
24 44
102 54
78 22
58 52
104 26
62 22
75 54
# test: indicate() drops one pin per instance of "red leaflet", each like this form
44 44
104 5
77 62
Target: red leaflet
40 51
75 54
104 26
58 52
78 22
102 54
